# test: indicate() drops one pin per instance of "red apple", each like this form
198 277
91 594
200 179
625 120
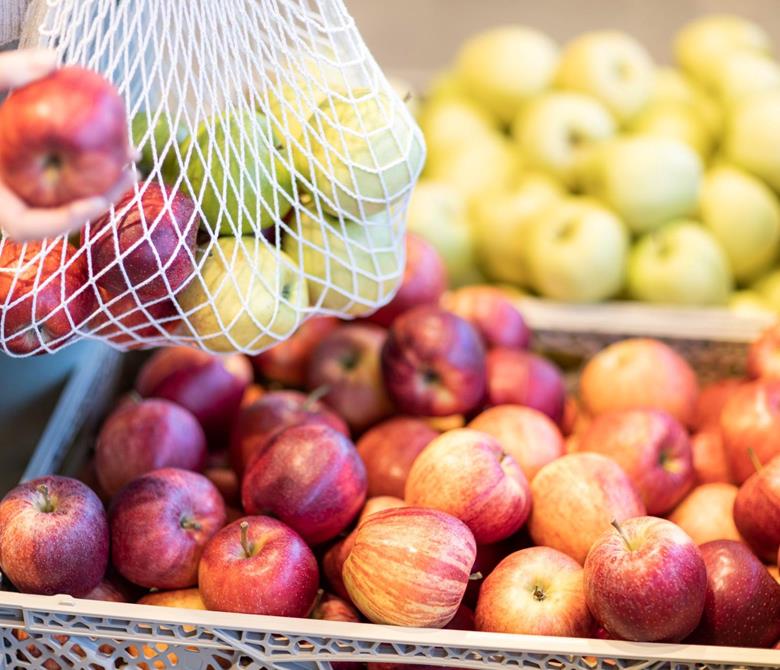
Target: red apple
526 434
652 448
757 511
388 451
227 483
287 362
640 374
521 378
63 137
742 607
467 474
257 565
488 557
252 394
44 295
129 323
645 580
410 567
53 537
433 363
535 591
706 513
710 461
575 419
184 598
160 523
764 355
108 590
711 401
311 477
492 313
146 436
425 279
347 362
574 500
333 608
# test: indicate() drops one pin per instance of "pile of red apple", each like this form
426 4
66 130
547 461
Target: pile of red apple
424 468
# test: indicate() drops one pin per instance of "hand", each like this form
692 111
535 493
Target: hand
19 221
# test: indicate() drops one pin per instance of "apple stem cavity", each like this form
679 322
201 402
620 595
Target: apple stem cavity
245 543
313 397
474 576
620 530
754 459
189 524
48 506
539 593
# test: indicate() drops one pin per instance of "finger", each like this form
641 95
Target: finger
18 68
42 223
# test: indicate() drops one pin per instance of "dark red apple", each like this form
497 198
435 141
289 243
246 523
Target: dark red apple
757 511
764 355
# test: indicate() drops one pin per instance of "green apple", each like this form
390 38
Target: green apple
680 264
744 216
351 267
678 121
706 44
768 289
674 86
246 297
448 124
159 144
504 67
749 303
556 126
752 139
745 74
646 180
577 251
612 67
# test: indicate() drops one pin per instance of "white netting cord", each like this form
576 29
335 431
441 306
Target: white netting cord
277 162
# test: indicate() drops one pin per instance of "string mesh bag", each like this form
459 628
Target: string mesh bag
276 161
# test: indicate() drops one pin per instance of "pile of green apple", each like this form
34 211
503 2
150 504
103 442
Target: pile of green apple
587 172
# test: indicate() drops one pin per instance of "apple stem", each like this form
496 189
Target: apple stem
315 604
408 96
245 543
754 459
620 530
47 504
189 524
538 593
474 576
314 396
134 397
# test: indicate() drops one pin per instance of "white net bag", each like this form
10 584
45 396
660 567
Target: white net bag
277 164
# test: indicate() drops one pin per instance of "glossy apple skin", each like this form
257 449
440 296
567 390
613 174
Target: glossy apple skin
492 313
629 590
127 322
185 598
287 362
41 300
640 373
348 362
710 461
433 363
705 514
517 377
151 544
280 578
574 500
712 399
510 602
424 281
311 477
74 117
256 424
148 435
742 608
467 474
528 435
764 355
757 511
62 551
410 567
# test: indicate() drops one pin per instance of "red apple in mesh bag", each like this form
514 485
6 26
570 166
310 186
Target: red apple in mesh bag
710 461
711 401
53 537
764 355
44 294
125 321
706 513
63 137
757 511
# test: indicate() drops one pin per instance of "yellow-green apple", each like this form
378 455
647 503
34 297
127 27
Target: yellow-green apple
634 571
742 607
764 355
526 434
575 498
767 290
144 436
410 567
750 427
433 363
308 476
44 294
677 120
710 461
535 591
160 522
743 215
156 142
53 537
257 565
63 137
467 473
745 74
748 302
492 313
446 85
347 363
647 180
652 448
425 279
450 123
388 451
576 251
247 296
706 513
675 87
485 65
639 373
517 377
752 137
407 92
286 362
757 510
184 598
612 67
712 399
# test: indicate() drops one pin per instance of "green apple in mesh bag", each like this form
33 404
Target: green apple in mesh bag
247 296
159 143
235 172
